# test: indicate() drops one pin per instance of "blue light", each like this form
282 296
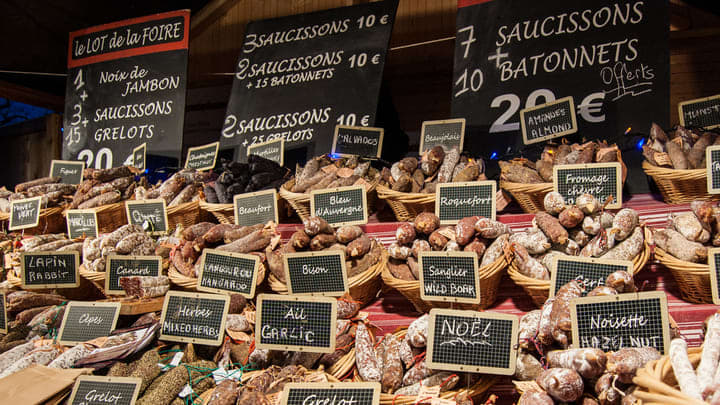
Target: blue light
62 129
494 156
640 143
335 156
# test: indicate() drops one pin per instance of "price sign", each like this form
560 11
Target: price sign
202 157
449 276
140 156
255 208
548 121
194 317
616 321
3 314
601 180
321 273
455 201
101 390
272 150
81 223
701 112
446 133
296 323
340 206
83 321
355 393
49 270
151 215
224 272
589 272
24 213
125 266
126 86
69 172
712 162
471 341
358 141
714 261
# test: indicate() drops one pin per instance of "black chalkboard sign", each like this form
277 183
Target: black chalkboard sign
449 276
520 54
126 86
455 201
272 150
70 172
340 206
712 164
139 156
701 112
255 208
225 272
3 314
355 393
602 180
81 223
24 213
296 323
149 214
316 273
100 390
549 120
616 321
478 342
49 270
714 261
123 266
299 76
447 133
202 157
83 321
194 317
358 141
589 272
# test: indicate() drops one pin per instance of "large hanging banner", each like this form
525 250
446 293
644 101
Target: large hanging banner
611 57
125 87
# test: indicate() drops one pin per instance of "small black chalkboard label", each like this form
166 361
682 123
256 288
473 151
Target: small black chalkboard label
202 157
602 180
83 321
100 390
296 323
3 314
194 317
471 341
50 269
447 133
712 162
124 266
449 276
550 120
316 273
24 213
255 208
613 322
340 206
589 272
701 112
81 223
358 141
149 214
70 172
340 393
225 272
272 150
455 201
139 156
714 261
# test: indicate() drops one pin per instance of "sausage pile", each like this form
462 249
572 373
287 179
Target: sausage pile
703 382
238 178
53 192
680 149
324 172
179 188
689 234
126 240
104 186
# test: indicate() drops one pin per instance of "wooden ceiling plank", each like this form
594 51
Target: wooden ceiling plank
207 15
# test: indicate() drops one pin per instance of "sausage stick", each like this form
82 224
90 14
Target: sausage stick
710 353
684 372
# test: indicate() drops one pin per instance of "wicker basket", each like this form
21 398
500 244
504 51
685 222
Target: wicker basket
184 214
489 280
657 384
223 212
692 278
190 283
406 206
539 290
300 202
110 217
529 196
680 186
51 220
95 277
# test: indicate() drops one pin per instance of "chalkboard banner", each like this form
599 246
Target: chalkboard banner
202 157
140 157
100 390
548 121
340 206
340 393
365 142
125 86
701 112
449 276
471 341
589 272
49 270
194 317
255 208
151 215
3 314
602 180
446 133
70 172
296 323
81 223
124 266
83 321
712 162
316 273
626 320
298 76
714 260
271 150
225 272
24 213
455 201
